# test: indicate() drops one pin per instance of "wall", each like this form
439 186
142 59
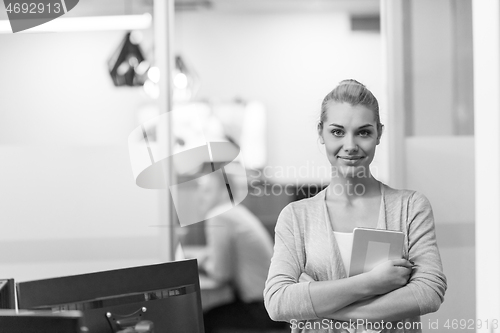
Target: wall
438 141
486 34
432 102
289 61
441 104
69 201
442 168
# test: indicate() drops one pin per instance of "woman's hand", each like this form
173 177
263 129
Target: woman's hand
390 275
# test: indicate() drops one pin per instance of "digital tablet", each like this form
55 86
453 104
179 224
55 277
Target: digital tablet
371 247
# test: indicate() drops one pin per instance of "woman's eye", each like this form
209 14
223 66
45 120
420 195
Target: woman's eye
364 133
337 132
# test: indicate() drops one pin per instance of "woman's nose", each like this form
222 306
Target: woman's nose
350 145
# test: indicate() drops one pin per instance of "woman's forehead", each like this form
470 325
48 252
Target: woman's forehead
347 114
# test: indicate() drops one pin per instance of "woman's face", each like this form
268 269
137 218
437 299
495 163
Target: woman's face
350 137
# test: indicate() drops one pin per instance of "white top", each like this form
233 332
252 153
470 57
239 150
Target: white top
344 242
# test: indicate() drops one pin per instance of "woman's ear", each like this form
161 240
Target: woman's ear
380 131
320 129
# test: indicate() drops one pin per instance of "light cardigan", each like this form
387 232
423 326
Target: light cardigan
305 243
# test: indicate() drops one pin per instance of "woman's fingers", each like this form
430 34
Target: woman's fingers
390 275
402 263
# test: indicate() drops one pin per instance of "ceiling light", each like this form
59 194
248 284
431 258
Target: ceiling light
89 23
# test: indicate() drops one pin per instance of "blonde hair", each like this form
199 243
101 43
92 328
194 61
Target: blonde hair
352 92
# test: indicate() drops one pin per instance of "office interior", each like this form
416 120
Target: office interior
71 204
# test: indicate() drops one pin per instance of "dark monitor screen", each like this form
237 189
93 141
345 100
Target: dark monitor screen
40 322
166 295
7 300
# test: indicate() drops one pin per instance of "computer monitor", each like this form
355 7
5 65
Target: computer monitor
40 322
166 295
7 298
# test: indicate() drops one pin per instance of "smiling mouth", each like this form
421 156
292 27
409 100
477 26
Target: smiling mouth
351 158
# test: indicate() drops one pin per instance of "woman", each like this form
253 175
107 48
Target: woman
307 284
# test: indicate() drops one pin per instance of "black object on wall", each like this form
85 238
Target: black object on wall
128 66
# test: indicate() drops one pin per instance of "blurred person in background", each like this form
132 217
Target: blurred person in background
238 253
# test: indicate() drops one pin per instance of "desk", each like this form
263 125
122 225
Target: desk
213 293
